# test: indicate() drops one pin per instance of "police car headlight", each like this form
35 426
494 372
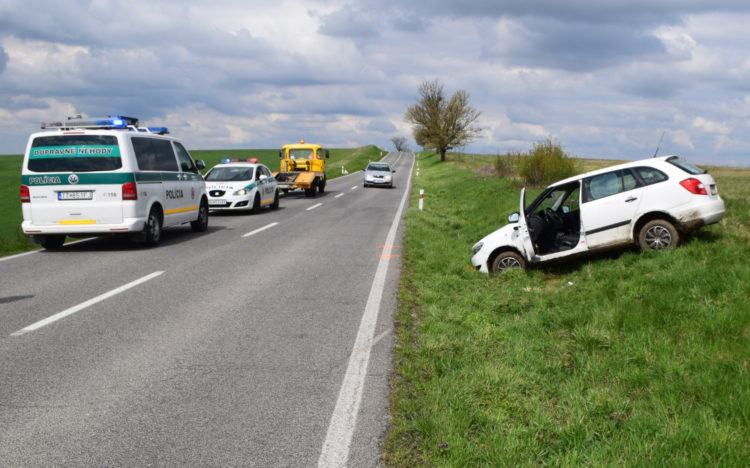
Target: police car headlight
477 247
369 178
241 192
387 178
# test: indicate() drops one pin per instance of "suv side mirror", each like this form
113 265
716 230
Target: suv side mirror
200 164
327 155
514 217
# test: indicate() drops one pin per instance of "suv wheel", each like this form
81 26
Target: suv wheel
658 234
507 260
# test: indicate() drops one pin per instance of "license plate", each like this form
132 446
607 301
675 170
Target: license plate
82 195
217 201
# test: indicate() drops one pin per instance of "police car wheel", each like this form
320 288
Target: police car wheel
201 224
152 230
256 204
275 204
53 242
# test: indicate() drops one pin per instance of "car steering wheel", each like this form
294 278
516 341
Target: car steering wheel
553 216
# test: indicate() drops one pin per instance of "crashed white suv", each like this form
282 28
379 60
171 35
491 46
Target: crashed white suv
648 202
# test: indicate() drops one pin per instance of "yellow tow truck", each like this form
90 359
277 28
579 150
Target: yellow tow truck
302 167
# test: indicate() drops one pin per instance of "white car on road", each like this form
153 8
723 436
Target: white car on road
241 184
649 203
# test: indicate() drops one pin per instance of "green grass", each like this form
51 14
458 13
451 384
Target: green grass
12 239
623 359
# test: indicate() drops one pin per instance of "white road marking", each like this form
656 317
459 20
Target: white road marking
83 305
339 195
314 206
11 257
267 226
335 452
355 187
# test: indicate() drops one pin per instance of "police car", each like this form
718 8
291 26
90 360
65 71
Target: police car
108 176
241 184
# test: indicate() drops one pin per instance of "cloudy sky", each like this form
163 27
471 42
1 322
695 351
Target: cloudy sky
604 78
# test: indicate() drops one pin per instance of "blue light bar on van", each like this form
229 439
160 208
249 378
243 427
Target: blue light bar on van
118 122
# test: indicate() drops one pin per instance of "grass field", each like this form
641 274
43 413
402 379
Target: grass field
623 359
13 241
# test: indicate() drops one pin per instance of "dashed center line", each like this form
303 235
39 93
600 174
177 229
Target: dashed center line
83 305
314 206
259 230
339 195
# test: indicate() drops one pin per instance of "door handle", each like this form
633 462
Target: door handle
631 199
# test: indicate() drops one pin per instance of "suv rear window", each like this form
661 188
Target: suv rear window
685 166
74 153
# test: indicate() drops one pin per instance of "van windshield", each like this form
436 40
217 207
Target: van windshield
74 153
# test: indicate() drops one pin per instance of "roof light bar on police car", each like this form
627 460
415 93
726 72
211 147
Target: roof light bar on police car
228 160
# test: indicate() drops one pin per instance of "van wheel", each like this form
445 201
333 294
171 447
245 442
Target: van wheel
152 229
658 234
201 224
256 204
275 204
507 261
53 242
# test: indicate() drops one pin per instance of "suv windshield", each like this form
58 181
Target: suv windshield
74 153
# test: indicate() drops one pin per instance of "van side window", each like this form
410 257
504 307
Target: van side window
186 162
649 175
607 184
154 155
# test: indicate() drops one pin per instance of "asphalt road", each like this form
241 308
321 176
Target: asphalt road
224 348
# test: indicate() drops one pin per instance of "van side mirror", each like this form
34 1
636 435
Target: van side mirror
514 217
327 155
200 164
281 154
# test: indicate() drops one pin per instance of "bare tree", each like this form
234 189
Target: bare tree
442 124
399 142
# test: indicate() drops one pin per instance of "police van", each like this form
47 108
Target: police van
108 176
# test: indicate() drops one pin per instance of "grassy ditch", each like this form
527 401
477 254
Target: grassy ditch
626 358
12 239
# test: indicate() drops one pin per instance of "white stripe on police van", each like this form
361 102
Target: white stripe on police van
260 229
83 305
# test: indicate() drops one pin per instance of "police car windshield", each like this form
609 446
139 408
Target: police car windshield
227 174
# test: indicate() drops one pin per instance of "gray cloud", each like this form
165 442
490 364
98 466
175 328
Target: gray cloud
605 78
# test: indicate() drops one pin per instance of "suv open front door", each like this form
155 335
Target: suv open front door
523 227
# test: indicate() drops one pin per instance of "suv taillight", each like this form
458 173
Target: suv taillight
695 186
129 191
25 196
